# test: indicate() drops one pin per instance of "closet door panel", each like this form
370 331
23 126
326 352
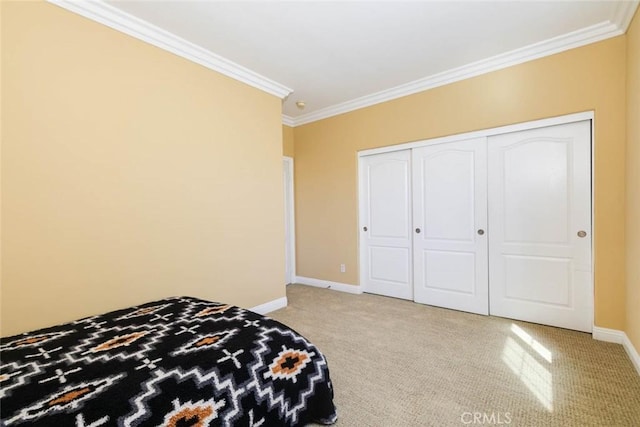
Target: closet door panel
540 225
449 209
385 224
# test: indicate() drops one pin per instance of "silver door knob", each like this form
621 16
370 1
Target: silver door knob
481 232
364 228
582 233
418 230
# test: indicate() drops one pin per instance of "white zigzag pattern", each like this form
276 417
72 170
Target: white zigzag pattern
269 393
97 337
189 346
135 311
151 390
53 336
41 407
188 315
80 422
37 368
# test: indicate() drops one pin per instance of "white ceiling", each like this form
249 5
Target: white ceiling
332 53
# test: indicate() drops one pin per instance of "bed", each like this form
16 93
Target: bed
175 362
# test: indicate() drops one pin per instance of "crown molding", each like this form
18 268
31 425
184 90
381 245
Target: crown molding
624 14
582 37
115 18
288 120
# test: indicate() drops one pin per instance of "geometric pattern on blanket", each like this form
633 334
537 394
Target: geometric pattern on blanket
176 362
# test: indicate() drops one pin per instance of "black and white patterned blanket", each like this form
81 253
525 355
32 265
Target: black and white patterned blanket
173 362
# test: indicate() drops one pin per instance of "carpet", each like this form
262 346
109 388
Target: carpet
398 363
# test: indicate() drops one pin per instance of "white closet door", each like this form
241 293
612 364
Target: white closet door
450 214
385 224
540 225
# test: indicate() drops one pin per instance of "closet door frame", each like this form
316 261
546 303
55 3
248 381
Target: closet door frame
569 118
290 219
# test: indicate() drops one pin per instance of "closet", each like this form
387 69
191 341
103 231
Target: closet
494 224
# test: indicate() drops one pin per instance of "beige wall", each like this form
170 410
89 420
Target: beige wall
1 102
129 174
587 78
633 182
287 141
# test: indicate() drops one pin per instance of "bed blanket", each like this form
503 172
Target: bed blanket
174 362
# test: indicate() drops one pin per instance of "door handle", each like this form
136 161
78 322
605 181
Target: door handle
582 233
481 232
418 230
364 228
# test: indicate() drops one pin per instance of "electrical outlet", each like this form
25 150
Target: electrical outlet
343 268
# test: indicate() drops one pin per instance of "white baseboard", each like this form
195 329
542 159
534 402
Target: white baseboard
336 286
608 335
618 337
632 352
270 306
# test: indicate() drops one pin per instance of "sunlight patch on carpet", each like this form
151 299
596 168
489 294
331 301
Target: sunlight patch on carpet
527 358
528 339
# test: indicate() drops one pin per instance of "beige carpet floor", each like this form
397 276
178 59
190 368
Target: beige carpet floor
398 363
